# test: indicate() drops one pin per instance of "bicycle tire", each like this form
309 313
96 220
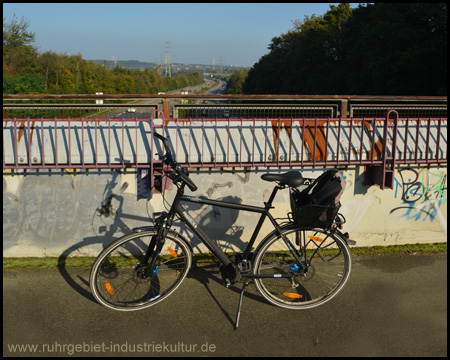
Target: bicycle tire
324 269
115 278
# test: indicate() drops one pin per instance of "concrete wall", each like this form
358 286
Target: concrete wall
54 213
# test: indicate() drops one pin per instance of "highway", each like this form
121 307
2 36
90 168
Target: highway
133 111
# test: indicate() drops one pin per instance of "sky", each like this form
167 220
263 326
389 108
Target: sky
235 33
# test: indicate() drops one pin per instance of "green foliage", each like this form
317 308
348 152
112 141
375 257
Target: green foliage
25 71
236 82
19 56
27 84
404 46
376 49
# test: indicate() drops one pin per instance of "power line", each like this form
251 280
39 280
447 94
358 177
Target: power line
167 72
221 63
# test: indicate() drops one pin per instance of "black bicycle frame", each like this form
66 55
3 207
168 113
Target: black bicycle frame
178 209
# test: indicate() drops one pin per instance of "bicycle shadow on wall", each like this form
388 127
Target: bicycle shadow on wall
107 223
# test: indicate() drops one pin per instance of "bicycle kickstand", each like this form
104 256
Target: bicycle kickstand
240 304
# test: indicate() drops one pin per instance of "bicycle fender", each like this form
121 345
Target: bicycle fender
181 237
143 228
346 237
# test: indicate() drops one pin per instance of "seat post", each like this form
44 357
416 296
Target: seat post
268 205
272 196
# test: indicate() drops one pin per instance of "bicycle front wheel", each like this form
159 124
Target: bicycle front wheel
118 278
322 270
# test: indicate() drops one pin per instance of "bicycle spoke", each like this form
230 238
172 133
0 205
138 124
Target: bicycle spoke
122 282
323 270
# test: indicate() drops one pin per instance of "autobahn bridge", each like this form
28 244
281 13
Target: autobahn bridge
397 143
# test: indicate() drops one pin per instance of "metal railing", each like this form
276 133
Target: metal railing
218 142
247 134
239 106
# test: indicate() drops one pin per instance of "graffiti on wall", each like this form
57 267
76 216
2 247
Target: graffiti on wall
53 210
422 193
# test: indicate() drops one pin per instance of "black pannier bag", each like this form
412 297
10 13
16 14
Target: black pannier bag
318 204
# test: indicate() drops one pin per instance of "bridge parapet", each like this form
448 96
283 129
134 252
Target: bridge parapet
222 142
49 212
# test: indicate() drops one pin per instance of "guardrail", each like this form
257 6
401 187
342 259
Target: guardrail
239 106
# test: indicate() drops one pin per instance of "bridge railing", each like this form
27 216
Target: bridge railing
223 142
212 106
114 131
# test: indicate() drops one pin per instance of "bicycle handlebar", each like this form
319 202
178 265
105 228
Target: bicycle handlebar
178 171
165 142
190 184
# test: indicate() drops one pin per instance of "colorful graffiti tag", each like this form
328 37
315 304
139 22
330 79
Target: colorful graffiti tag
423 192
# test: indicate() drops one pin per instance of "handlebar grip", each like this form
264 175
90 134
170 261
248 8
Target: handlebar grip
188 182
173 163
165 142
160 137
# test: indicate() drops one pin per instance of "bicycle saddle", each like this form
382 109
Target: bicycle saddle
291 178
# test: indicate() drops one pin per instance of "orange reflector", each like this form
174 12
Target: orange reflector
315 238
109 288
172 251
292 295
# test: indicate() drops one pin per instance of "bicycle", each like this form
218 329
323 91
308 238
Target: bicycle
293 267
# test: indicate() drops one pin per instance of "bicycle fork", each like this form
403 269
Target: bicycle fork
145 269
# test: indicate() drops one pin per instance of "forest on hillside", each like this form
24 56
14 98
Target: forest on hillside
26 71
374 49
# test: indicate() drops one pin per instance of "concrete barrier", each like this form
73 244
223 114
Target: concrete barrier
55 212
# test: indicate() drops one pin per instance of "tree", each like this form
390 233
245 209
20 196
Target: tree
236 82
404 47
304 60
49 64
376 49
25 71
27 84
19 56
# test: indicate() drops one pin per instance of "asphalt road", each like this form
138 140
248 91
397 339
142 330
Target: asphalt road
393 305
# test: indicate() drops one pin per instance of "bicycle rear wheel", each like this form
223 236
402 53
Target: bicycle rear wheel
117 277
323 269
